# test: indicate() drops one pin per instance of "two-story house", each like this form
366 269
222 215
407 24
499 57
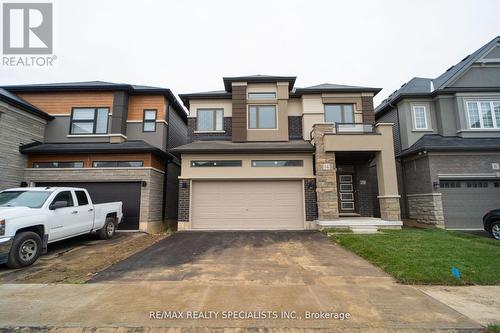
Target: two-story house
112 139
263 154
447 141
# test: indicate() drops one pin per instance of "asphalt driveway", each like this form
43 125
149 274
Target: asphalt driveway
237 274
249 258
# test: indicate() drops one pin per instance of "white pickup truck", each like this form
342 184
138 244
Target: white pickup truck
32 217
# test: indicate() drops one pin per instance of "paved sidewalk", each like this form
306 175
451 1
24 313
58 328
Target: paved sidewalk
375 305
480 303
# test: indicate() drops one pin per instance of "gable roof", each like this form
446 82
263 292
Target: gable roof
21 103
437 142
424 87
101 86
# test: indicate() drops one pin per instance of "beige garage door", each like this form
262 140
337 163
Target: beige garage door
247 205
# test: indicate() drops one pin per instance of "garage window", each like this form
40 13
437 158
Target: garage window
117 164
216 163
277 163
477 184
51 165
450 184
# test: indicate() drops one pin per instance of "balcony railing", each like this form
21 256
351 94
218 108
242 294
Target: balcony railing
354 128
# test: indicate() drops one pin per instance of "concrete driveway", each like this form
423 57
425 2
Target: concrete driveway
290 274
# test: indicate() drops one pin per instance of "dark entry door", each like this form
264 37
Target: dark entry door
346 193
128 193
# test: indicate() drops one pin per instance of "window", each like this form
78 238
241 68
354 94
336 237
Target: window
450 184
339 113
476 184
210 119
262 96
51 165
117 164
149 121
89 121
278 163
483 114
262 116
216 163
81 197
64 196
419 117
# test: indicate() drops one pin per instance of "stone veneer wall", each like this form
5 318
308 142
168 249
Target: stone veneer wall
310 201
184 198
326 176
16 128
294 127
150 218
426 208
389 208
192 136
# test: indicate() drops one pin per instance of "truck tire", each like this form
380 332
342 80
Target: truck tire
25 250
109 229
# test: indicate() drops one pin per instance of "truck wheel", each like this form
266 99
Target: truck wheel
109 229
25 249
495 230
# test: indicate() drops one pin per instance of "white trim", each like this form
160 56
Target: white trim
469 175
478 102
389 196
414 117
230 178
95 135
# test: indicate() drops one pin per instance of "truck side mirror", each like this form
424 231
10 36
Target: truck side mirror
58 204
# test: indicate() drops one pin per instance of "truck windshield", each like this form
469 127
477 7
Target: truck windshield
31 199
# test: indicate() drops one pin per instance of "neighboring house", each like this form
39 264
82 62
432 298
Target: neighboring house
447 141
112 139
265 155
20 123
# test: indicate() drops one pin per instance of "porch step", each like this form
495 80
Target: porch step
360 224
364 229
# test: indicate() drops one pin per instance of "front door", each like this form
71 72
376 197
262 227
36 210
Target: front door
346 193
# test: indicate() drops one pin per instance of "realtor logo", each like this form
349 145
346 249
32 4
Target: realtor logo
27 28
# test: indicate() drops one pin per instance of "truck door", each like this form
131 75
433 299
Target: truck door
61 217
84 220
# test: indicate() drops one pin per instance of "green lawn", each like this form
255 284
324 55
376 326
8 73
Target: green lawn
427 256
494 328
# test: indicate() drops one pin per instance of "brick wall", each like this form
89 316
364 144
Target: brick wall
294 127
192 136
184 194
310 199
16 128
367 107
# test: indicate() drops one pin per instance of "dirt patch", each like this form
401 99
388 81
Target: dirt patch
78 260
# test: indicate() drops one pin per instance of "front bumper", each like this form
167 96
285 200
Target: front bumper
5 245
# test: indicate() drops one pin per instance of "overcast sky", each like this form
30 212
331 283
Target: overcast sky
189 45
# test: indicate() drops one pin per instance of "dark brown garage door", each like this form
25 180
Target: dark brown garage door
128 193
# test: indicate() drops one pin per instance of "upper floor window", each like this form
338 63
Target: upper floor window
210 119
262 95
52 165
89 121
149 121
484 114
262 116
339 113
419 117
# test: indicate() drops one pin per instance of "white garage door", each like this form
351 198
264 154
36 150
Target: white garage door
247 205
465 202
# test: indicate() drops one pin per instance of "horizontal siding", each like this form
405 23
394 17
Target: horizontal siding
137 105
63 102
